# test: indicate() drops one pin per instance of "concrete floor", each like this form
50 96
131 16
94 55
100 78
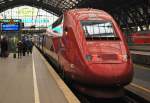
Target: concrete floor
16 81
142 76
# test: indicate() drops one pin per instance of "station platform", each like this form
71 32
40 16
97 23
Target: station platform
143 55
141 82
31 80
140 47
142 52
142 76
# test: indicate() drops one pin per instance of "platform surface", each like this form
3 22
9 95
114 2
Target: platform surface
145 53
141 82
27 80
16 80
142 76
140 47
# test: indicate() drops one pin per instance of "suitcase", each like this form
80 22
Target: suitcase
14 55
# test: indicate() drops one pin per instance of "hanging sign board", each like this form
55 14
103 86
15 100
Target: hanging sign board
27 12
10 27
10 24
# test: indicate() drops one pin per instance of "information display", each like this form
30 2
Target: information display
10 27
9 20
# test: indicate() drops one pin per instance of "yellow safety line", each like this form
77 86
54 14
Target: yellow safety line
140 87
36 92
71 98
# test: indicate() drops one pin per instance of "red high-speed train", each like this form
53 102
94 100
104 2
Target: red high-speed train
140 37
91 52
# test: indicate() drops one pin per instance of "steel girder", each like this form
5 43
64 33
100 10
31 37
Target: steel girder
135 16
128 13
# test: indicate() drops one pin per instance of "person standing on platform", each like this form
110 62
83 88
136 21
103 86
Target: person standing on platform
20 48
4 47
29 46
0 46
24 47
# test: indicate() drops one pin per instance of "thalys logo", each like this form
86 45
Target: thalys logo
92 15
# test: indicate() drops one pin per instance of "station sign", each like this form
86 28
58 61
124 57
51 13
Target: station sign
10 24
27 12
30 20
10 20
10 27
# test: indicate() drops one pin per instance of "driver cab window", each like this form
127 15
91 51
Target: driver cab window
96 29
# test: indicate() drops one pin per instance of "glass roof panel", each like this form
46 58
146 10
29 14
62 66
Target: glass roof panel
30 16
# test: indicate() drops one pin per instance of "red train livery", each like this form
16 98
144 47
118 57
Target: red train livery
91 52
141 37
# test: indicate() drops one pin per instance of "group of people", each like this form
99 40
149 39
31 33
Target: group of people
4 47
24 46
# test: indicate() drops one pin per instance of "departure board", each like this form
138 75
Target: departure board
10 27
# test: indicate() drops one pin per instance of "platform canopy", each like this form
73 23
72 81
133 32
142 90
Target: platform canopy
128 13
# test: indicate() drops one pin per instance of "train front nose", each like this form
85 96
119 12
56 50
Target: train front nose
110 74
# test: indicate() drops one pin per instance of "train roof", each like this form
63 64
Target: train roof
77 12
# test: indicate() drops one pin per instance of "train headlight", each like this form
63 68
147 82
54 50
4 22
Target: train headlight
125 57
88 57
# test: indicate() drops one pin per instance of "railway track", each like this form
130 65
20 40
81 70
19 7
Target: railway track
129 97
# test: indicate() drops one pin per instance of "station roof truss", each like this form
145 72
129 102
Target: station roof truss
128 13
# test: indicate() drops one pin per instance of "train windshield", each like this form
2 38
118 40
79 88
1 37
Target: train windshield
94 29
